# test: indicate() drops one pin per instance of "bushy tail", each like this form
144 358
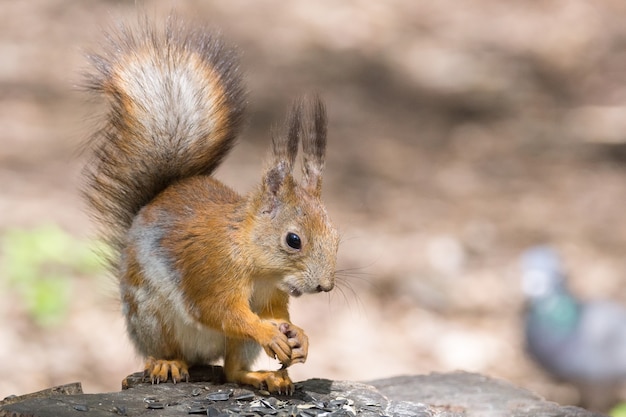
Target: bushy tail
175 105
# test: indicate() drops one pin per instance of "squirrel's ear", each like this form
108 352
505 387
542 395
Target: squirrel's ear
314 146
284 151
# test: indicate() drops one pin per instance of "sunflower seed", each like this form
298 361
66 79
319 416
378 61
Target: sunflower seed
219 396
246 396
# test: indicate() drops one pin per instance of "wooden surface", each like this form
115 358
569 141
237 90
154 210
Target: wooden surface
444 395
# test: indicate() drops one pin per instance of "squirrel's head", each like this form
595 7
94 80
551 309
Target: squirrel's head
294 238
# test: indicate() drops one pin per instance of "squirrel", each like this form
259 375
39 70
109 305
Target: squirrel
204 273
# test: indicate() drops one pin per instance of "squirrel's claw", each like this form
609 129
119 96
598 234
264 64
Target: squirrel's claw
159 370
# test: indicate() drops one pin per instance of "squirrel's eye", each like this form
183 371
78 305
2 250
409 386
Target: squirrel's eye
293 240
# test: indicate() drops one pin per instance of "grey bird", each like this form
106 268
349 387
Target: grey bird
581 342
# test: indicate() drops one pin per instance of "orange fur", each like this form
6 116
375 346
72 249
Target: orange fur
205 273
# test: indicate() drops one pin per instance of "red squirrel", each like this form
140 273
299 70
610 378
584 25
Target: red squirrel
204 272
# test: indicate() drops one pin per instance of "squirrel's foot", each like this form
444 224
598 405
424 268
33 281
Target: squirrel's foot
276 382
158 370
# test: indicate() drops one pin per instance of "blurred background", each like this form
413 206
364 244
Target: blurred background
460 133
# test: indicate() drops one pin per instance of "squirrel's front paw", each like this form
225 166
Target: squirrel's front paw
158 370
298 342
275 343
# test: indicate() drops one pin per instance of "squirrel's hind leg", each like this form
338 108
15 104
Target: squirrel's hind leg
159 370
239 356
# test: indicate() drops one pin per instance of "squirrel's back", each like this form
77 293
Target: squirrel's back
175 103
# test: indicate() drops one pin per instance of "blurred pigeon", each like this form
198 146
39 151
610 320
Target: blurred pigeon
580 342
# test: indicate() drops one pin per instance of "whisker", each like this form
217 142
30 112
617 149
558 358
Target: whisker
343 238
340 290
350 275
352 271
361 278
348 292
343 293
356 268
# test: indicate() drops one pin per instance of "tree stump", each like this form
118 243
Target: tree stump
457 394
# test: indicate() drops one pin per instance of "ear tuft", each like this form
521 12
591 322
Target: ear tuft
285 147
314 145
284 151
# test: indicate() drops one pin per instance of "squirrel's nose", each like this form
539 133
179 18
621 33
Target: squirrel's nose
325 288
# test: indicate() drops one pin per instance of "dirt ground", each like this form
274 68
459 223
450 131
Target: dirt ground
460 134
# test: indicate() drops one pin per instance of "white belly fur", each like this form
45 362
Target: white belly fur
198 344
